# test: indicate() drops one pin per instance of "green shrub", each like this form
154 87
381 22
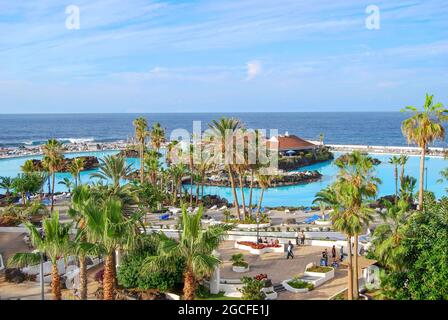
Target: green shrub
319 269
296 283
251 289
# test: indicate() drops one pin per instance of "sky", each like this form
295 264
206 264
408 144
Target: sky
221 55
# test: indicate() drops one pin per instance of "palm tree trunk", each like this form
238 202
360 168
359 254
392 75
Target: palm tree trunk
108 280
189 285
197 193
191 190
349 270
52 191
355 269
235 196
251 188
243 200
55 283
422 178
396 183
83 277
259 203
142 167
202 185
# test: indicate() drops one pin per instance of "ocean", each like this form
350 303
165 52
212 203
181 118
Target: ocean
366 128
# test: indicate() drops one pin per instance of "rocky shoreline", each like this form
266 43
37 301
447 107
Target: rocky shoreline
90 163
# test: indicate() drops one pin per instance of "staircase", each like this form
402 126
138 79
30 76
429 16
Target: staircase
279 288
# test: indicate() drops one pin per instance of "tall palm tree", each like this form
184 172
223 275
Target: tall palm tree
403 160
264 182
177 172
75 168
423 128
388 236
55 243
395 161
195 245
141 132
227 127
157 136
110 230
81 247
52 160
152 165
113 168
67 183
354 187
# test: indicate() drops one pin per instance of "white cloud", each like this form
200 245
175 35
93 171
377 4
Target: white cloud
254 69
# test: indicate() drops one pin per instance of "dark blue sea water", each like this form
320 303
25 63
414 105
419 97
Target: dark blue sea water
367 128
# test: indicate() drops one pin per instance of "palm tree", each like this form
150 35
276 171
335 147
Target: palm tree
157 135
195 245
7 184
113 168
141 132
75 168
387 237
28 166
403 160
81 247
67 183
395 161
177 172
52 160
355 185
152 165
423 128
55 243
110 230
407 188
221 129
264 181
444 176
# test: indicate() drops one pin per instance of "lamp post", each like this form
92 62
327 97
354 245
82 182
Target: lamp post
42 289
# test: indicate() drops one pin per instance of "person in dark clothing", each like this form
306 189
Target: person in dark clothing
289 251
333 253
302 239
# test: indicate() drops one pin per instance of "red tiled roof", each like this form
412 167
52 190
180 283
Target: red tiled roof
292 142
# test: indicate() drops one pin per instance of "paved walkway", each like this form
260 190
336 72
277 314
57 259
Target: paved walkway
278 269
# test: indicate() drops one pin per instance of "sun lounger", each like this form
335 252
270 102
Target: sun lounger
165 216
311 219
213 208
223 208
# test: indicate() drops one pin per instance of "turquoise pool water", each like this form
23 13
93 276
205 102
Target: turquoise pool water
287 196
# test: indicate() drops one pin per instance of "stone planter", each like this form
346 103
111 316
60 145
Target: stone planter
291 289
270 293
280 249
321 277
253 226
322 223
240 269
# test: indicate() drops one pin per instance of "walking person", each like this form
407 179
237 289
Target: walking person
290 253
333 253
302 239
342 253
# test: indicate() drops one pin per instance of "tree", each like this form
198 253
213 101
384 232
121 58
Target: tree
424 250
177 172
388 236
223 130
67 183
157 136
52 160
403 160
251 289
113 168
395 161
110 230
423 128
28 167
264 181
75 168
54 243
7 184
444 176
27 183
355 185
141 132
195 246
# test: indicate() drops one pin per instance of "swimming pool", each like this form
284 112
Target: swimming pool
299 195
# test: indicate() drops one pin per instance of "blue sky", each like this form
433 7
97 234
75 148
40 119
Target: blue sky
221 55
